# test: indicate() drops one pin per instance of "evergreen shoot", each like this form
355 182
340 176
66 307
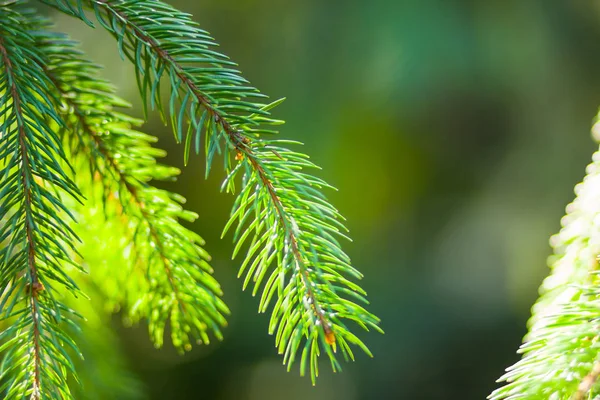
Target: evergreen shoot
81 219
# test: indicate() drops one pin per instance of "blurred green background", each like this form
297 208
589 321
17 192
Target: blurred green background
455 132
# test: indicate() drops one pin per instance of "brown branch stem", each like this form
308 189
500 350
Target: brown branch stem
587 382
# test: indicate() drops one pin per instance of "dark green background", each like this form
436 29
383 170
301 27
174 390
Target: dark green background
455 132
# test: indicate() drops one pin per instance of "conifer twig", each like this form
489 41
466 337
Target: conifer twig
37 241
242 145
34 284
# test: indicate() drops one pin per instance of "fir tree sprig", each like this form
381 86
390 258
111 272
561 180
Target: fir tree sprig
166 276
38 242
56 113
294 226
561 350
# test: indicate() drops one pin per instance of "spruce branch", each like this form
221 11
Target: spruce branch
294 228
174 282
38 240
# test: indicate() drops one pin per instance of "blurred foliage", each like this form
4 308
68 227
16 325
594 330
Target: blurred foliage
560 349
455 131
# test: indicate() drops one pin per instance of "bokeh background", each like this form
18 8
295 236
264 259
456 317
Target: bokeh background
455 131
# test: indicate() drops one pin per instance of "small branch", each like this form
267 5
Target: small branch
123 179
26 182
242 145
587 383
